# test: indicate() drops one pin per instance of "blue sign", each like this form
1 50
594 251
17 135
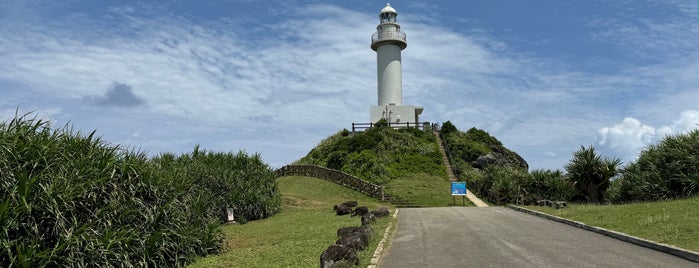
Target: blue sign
458 188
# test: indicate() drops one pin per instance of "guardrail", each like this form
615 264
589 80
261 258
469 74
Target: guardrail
336 176
418 125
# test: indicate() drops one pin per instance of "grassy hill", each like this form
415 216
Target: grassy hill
299 233
408 161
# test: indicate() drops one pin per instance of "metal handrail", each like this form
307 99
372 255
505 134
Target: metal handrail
388 35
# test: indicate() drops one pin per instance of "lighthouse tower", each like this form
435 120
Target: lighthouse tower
388 41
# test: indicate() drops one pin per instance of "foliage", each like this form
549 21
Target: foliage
69 199
590 174
381 123
237 181
448 128
548 184
380 154
667 170
502 185
467 147
669 222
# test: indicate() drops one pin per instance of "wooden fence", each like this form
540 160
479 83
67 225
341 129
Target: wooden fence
336 176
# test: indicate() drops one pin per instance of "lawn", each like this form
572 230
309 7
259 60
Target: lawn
670 222
297 235
425 191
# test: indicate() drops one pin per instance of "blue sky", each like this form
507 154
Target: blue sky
276 77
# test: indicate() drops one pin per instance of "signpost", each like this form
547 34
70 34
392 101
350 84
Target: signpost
458 188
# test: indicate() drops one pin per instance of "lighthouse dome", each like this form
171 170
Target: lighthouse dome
388 9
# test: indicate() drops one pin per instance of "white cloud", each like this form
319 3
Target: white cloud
628 139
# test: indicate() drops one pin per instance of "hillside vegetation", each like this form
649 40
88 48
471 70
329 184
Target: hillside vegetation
70 199
380 154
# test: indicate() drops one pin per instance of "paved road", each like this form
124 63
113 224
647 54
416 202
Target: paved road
501 237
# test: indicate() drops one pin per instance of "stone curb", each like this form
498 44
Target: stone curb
379 248
679 252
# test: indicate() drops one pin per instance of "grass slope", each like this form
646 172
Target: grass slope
297 235
670 222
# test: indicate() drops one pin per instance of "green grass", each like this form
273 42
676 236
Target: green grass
425 190
296 236
670 222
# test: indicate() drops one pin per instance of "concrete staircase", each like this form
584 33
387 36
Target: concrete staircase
450 171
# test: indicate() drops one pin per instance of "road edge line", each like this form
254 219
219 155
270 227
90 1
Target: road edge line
379 248
665 248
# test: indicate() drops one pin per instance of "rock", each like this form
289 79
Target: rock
345 231
560 204
359 211
350 203
341 209
368 218
500 156
337 254
356 241
381 212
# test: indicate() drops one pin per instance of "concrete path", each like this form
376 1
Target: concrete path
501 237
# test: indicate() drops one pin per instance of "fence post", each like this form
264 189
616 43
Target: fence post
352 126
383 198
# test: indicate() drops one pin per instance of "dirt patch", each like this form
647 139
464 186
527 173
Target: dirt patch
291 201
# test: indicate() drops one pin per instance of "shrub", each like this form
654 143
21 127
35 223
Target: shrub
448 127
667 170
69 199
548 184
502 185
590 174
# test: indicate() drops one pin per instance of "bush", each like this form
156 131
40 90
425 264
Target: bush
380 154
548 184
502 185
68 199
590 174
236 181
448 127
667 170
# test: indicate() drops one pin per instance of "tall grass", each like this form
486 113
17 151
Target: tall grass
70 199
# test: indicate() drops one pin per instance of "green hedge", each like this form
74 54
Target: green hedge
70 199
502 185
667 170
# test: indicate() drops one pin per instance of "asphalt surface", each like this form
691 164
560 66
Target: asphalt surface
501 237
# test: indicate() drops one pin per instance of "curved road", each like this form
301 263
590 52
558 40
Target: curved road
501 237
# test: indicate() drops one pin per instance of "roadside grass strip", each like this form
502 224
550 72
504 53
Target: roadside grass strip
672 223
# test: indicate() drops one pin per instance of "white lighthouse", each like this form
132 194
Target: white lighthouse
388 41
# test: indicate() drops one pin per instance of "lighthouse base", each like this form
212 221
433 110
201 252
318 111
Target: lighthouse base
396 114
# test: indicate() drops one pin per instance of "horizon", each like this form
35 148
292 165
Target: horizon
277 77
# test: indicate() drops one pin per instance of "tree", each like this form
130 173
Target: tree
590 174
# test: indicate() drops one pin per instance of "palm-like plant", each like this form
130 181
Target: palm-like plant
590 173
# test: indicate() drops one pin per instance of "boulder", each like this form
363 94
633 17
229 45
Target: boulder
381 212
341 209
359 211
350 203
500 156
356 241
345 231
368 218
337 254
